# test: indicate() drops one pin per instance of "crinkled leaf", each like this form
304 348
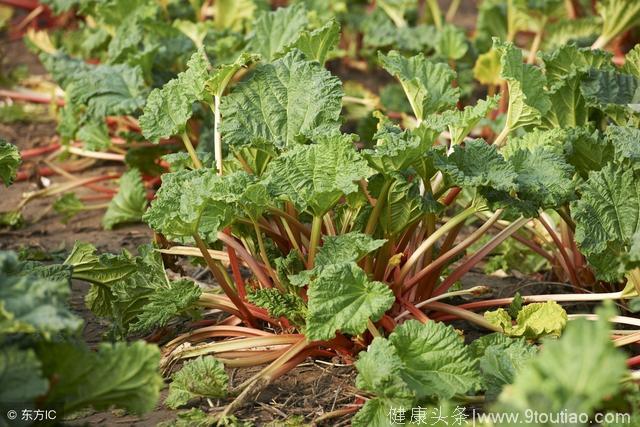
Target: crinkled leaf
202 377
477 164
184 205
429 359
426 84
404 206
282 103
451 43
168 108
610 89
32 304
95 136
134 292
500 359
625 141
275 30
586 151
395 149
528 101
340 249
607 216
318 44
108 90
233 14
68 206
165 303
544 179
534 320
129 204
582 30
461 123
314 177
287 305
571 60
121 374
21 376
618 16
573 374
343 299
9 162
632 62
221 76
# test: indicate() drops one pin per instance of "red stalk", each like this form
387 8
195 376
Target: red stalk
235 270
484 251
246 256
35 152
633 361
565 259
451 196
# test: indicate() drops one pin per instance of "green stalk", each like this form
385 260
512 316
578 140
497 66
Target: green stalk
436 13
372 329
316 232
453 9
432 239
265 258
217 139
192 152
476 290
377 209
463 314
502 136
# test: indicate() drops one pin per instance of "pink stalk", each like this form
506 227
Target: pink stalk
566 260
246 257
478 256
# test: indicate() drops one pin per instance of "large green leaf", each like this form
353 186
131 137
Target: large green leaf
318 44
314 177
31 304
461 123
500 358
607 216
571 60
533 321
134 292
395 149
528 101
168 108
120 374
185 205
129 204
202 377
340 249
275 30
20 376
544 180
617 16
9 162
343 299
417 361
574 374
426 84
281 104
477 164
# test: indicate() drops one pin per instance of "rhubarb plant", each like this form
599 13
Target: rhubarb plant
328 213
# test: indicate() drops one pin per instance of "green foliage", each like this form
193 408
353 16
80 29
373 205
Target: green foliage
533 320
417 361
168 109
42 362
556 379
607 214
314 177
129 204
9 162
201 377
342 298
426 84
134 292
281 104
